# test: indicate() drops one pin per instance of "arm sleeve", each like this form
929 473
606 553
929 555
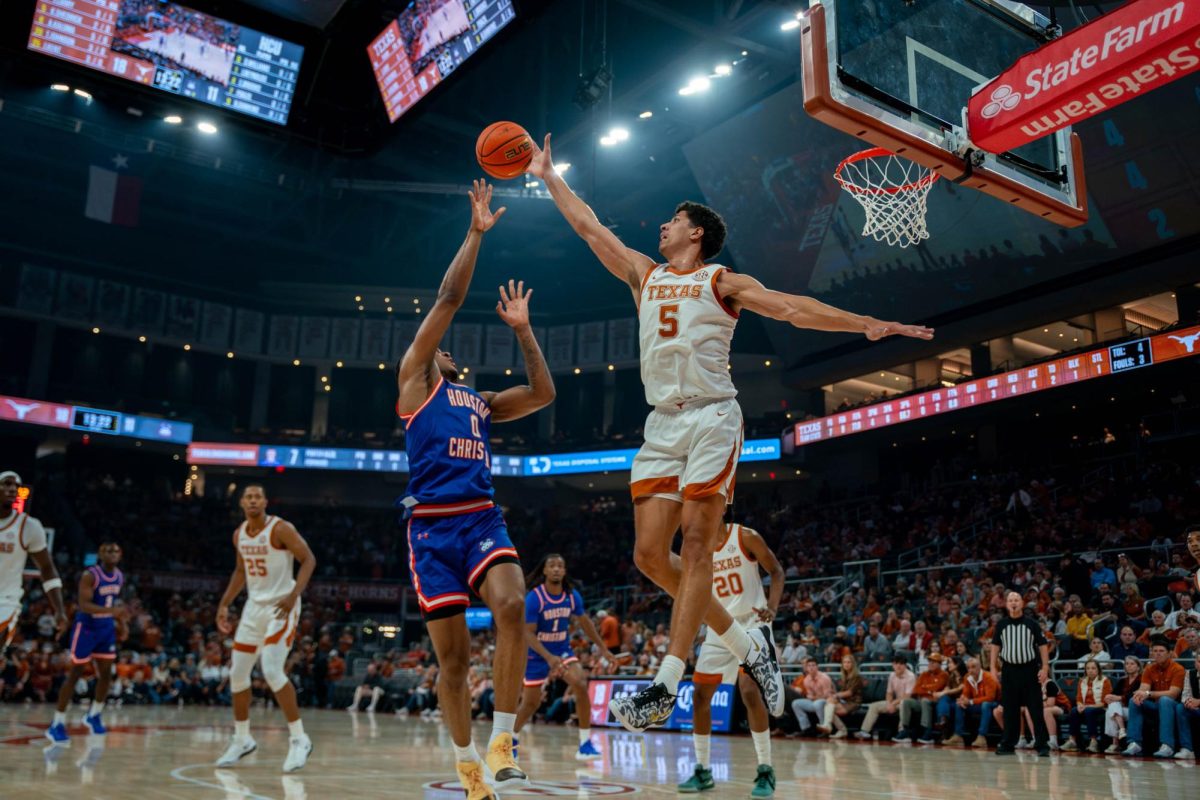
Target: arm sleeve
532 607
33 535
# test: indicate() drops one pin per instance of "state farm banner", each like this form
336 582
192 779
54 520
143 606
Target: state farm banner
1140 46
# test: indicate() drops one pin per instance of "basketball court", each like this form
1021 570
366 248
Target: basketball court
167 754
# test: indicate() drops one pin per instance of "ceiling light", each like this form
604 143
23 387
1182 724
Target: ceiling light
360 308
416 301
577 370
173 119
508 372
206 128
295 362
619 134
607 141
95 330
324 379
187 347
83 94
60 87
687 90
387 299
562 168
142 339
611 367
339 365
389 309
723 69
767 363
532 184
699 84
328 388
358 298
382 365
646 115
229 354
790 25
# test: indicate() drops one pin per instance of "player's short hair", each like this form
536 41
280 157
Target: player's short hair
701 216
107 540
252 485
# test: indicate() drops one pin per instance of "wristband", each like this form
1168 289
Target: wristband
53 583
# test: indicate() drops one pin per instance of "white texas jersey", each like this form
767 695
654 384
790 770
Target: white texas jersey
685 332
20 535
269 569
736 581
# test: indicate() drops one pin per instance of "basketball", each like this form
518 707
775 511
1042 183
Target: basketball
504 150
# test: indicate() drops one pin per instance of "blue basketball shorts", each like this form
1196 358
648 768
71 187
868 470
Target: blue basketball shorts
537 671
93 638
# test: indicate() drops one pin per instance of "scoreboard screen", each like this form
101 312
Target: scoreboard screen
175 49
428 41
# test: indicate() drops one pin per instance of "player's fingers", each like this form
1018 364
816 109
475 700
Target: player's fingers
512 288
499 213
520 288
499 308
546 143
504 294
528 295
487 192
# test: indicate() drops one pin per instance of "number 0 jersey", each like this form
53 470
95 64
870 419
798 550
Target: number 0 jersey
449 459
685 330
269 568
736 580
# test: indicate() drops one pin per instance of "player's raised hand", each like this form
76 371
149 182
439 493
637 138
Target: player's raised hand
542 163
878 329
482 216
513 305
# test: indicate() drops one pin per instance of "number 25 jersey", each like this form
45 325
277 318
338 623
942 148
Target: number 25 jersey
269 568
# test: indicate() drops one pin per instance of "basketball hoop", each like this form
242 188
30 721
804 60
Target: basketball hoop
892 190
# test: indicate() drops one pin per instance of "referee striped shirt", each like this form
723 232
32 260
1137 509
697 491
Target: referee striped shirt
1019 640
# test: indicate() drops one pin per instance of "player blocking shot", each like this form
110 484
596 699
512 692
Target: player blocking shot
552 606
738 587
22 537
683 475
93 640
458 542
267 550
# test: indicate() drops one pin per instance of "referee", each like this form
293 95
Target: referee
1018 641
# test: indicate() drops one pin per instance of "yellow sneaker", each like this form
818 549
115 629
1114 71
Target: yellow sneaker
505 772
470 775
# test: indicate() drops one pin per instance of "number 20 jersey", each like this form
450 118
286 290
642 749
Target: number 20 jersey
736 581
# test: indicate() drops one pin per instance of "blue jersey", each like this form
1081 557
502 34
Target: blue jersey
449 459
553 613
106 590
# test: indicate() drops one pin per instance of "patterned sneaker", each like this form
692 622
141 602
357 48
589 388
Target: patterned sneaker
470 775
764 782
762 665
236 751
701 781
650 707
505 772
57 733
587 752
298 749
95 725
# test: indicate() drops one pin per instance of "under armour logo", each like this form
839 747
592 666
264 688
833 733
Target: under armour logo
23 409
1188 342
1003 99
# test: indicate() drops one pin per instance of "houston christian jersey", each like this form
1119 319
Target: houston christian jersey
449 459
269 568
20 535
553 613
685 332
106 590
736 581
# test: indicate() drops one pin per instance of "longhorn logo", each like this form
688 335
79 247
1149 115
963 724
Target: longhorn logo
22 409
1189 342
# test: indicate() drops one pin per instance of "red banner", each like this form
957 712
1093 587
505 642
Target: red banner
218 453
35 412
1142 45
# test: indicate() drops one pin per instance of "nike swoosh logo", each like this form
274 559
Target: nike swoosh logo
722 413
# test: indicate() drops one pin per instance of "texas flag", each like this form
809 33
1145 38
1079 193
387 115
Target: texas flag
112 196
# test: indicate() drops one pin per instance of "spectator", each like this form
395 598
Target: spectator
904 643
1096 653
1101 574
899 688
979 698
818 690
948 697
1055 705
1127 571
1188 711
1089 708
610 629
372 686
1183 612
1158 629
1158 694
876 647
1188 644
846 701
932 680
795 653
1079 629
1117 712
1127 645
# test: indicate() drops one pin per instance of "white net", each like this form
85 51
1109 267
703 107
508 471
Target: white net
893 192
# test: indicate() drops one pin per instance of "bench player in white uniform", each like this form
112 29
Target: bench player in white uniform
684 472
739 589
267 549
23 536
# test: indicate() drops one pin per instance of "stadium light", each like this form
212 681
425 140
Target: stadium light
173 119
790 25
646 115
607 141
83 94
60 87
562 168
619 134
723 69
206 128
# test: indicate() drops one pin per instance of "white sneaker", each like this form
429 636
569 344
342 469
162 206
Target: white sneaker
298 749
237 750
1134 749
1185 755
1024 744
1166 751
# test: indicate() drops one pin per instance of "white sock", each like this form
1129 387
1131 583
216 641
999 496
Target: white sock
738 642
97 708
502 722
468 753
60 718
670 672
762 746
241 728
702 744
296 729
585 735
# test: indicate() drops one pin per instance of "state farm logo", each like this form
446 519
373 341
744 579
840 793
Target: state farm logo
1003 99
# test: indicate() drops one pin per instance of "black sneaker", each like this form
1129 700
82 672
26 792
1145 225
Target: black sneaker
650 707
762 665
1005 751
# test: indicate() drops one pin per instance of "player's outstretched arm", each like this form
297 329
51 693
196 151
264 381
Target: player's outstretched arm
758 549
287 535
86 585
416 376
237 582
35 543
806 312
628 265
521 401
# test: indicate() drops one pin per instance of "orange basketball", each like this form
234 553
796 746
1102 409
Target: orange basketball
504 150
